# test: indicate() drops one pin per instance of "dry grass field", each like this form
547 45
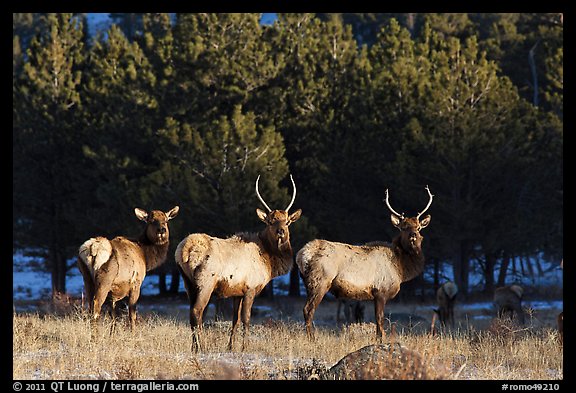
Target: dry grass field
62 343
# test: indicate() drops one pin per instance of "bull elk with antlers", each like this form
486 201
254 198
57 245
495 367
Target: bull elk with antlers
116 268
373 271
238 267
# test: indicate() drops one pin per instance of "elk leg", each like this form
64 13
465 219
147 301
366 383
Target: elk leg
113 315
520 314
347 308
235 318
88 284
132 299
99 299
196 312
379 303
313 300
246 313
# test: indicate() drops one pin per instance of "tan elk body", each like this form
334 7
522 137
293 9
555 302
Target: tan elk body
238 267
116 268
373 271
508 301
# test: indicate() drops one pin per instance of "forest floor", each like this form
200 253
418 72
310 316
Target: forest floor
57 340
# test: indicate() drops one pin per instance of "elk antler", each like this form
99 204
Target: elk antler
427 206
293 195
390 207
259 197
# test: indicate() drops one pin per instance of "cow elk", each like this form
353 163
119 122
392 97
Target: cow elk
445 297
373 271
508 302
238 267
116 268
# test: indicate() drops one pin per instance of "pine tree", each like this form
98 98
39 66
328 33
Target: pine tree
119 79
48 191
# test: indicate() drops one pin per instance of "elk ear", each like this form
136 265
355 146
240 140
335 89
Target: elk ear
141 214
262 215
425 221
173 213
294 216
395 220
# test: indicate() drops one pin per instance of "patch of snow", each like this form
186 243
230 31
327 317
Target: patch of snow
482 316
31 282
544 305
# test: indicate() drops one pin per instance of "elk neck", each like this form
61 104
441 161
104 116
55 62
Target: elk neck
281 260
410 263
154 254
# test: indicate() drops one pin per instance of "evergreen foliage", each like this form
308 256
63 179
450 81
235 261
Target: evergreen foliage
189 109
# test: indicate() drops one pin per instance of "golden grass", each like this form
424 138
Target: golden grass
72 347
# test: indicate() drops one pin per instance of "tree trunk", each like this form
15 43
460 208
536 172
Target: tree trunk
461 268
465 271
436 262
529 267
534 74
410 22
175 281
58 271
503 270
162 282
489 272
294 287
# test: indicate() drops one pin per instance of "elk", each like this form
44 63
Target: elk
373 271
508 301
116 268
353 310
238 267
445 296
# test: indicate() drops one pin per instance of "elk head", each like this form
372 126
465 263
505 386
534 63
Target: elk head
277 221
410 227
157 224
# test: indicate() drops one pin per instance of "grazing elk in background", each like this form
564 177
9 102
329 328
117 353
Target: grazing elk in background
116 268
508 301
353 310
446 296
239 266
373 271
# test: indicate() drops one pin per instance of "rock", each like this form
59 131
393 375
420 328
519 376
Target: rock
385 361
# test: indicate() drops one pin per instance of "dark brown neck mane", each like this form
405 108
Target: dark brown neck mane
281 260
154 254
411 262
